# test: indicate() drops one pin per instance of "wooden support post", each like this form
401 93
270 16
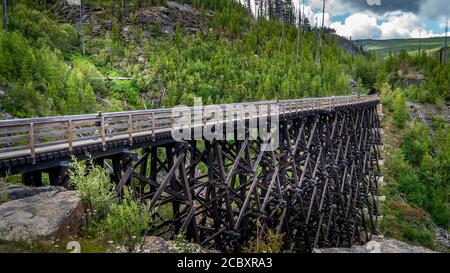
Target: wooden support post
58 175
32 179
153 166
99 161
117 169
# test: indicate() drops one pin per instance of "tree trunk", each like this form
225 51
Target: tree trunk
320 34
299 29
4 16
83 48
123 10
446 42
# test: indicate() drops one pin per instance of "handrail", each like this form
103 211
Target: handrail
31 136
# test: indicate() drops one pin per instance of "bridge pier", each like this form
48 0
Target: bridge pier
32 179
58 176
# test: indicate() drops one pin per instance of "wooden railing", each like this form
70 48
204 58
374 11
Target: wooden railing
28 137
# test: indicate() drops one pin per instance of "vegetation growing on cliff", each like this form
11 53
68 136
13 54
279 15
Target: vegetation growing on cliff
232 58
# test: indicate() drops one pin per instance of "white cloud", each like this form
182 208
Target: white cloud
366 24
391 25
400 25
333 7
358 26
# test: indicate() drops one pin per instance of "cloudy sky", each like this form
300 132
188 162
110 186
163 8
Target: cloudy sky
381 19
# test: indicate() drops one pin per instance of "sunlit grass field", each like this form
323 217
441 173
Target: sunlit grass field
384 47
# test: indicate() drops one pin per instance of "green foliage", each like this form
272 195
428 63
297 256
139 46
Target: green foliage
396 164
4 197
42 31
416 143
266 241
434 87
126 221
94 186
80 95
400 111
239 60
122 221
407 223
421 170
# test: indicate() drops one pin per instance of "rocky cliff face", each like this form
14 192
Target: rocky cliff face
152 19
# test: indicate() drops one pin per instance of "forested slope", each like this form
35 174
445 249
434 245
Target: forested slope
168 51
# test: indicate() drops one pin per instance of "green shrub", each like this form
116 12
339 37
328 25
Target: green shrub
422 236
400 111
94 185
126 221
266 242
396 164
426 185
406 223
410 184
416 143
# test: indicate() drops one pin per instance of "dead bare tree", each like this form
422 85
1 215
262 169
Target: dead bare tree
446 42
83 47
4 16
299 29
123 10
319 51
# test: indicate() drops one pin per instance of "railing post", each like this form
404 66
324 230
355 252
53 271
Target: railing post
102 132
69 135
32 143
153 125
130 129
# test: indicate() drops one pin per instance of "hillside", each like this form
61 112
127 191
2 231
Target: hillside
167 51
384 47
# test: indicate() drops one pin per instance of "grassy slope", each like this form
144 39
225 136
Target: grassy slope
401 220
383 47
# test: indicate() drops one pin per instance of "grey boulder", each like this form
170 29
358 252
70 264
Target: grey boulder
47 215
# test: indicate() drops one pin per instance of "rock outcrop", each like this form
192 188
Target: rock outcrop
378 245
152 19
48 214
15 192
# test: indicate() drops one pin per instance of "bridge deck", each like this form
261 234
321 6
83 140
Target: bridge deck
22 141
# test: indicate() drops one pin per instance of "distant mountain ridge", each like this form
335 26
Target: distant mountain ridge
384 47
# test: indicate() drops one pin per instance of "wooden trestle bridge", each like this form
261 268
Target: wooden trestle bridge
318 187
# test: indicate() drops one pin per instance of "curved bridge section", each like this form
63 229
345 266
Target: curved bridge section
317 187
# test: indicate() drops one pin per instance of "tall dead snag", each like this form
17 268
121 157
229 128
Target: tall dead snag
4 16
319 51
